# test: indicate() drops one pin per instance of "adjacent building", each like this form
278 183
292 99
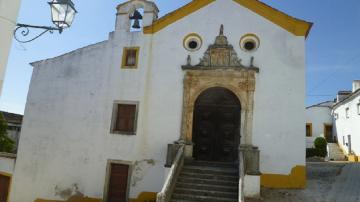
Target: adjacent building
346 114
14 122
319 123
9 10
7 160
99 119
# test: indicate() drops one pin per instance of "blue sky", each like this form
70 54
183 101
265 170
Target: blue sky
333 46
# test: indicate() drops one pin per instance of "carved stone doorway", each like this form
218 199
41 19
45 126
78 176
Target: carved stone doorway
216 128
219 68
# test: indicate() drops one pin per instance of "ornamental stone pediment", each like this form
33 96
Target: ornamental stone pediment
220 55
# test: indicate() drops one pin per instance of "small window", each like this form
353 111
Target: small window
336 116
343 140
347 111
124 118
130 58
358 108
308 130
192 42
249 42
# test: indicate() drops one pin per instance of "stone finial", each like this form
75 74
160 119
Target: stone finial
188 61
221 30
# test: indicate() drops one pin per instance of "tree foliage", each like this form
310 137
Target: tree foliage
6 144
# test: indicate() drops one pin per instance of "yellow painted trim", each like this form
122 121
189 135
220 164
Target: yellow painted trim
80 199
295 180
353 158
144 197
296 26
10 183
192 35
311 129
176 15
123 61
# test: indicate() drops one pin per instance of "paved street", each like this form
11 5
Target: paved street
327 182
347 185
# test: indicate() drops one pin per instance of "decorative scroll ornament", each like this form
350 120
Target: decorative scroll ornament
23 30
220 55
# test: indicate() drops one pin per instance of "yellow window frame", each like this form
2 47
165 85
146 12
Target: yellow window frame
123 62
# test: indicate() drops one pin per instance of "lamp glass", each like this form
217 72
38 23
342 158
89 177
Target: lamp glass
63 13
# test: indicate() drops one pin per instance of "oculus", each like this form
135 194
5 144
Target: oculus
249 42
192 42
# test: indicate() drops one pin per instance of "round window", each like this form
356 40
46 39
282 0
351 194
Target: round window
192 42
249 42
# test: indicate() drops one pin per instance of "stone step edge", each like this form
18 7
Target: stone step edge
203 198
205 191
208 175
208 180
207 185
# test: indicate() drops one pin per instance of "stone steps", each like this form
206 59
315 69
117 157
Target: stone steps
207 181
335 153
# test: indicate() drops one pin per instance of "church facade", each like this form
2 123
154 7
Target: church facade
213 75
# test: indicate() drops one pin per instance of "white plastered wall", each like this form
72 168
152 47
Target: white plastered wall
9 10
348 126
7 163
317 116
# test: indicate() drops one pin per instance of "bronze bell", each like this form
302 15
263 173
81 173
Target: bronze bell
136 17
136 24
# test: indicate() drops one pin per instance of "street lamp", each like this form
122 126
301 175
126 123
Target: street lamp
62 13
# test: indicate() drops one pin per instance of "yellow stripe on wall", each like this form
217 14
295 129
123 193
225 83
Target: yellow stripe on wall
296 179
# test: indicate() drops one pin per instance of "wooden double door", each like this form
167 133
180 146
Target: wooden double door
216 129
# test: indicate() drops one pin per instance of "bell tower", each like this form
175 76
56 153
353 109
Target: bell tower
135 14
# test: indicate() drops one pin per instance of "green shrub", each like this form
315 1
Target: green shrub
311 152
320 143
321 146
6 144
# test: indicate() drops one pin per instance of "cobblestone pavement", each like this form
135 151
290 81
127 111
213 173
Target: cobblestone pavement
327 182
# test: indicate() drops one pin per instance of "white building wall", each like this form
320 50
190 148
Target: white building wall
7 163
70 143
317 116
9 10
348 126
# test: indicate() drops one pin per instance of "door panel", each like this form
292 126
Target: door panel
118 183
216 129
4 187
328 133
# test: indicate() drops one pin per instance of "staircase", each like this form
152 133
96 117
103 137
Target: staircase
335 153
207 181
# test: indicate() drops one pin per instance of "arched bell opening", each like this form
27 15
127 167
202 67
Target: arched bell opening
216 125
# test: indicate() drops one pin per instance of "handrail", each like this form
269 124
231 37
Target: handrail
241 176
166 191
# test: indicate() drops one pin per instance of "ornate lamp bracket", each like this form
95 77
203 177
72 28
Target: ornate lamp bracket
23 30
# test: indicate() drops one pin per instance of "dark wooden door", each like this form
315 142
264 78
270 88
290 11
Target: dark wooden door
4 188
216 130
117 191
328 133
